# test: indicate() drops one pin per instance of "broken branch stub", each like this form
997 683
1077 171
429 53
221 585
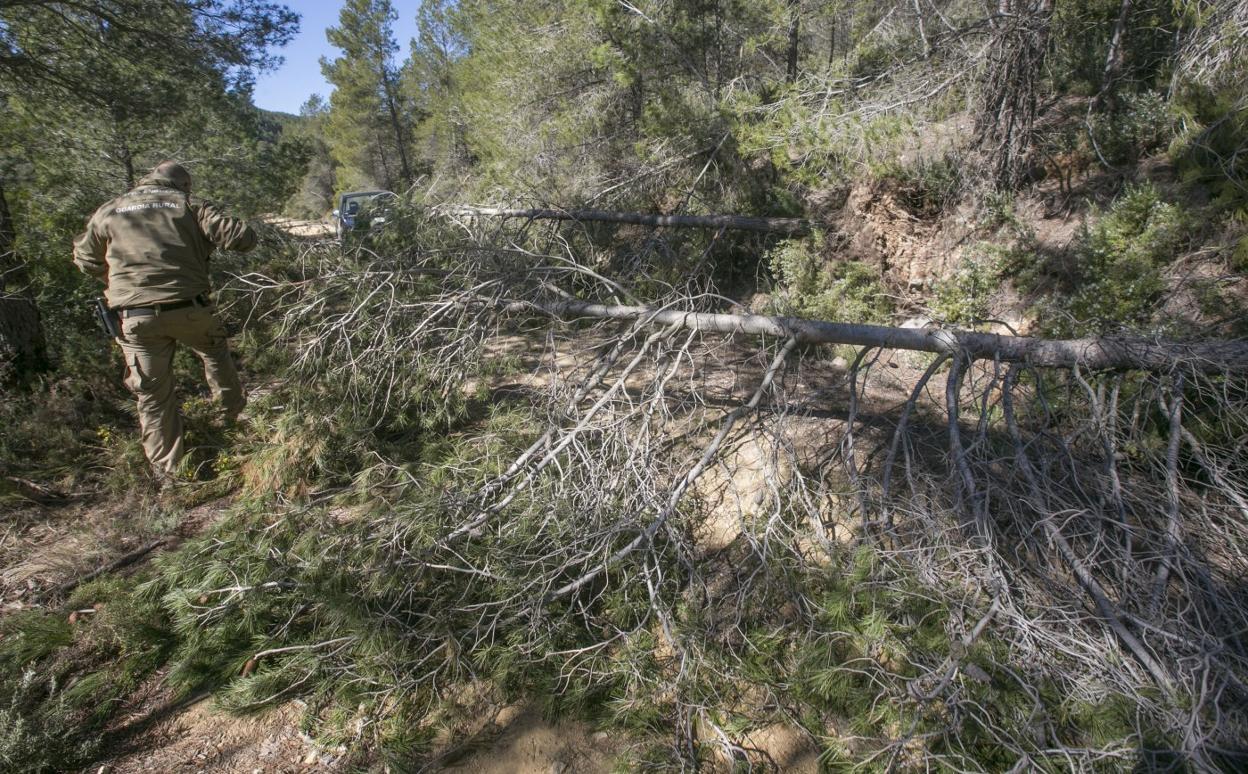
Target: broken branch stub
1097 353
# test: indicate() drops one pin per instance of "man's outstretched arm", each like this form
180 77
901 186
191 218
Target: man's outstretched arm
89 251
224 232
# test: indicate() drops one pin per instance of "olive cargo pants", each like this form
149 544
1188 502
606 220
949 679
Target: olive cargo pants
148 343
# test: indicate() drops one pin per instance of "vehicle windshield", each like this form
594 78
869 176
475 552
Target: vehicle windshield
354 204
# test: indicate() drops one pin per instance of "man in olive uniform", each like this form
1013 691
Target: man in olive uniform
151 246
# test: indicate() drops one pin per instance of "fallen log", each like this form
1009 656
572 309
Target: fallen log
791 226
1096 353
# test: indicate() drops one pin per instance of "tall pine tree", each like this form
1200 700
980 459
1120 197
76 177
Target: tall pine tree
370 122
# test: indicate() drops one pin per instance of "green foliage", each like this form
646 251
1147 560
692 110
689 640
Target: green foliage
1142 125
808 285
370 123
926 187
313 195
61 682
137 82
1119 260
1080 37
41 741
31 636
1239 255
264 171
1207 95
1211 150
966 297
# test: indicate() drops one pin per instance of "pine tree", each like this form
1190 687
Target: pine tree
370 123
430 77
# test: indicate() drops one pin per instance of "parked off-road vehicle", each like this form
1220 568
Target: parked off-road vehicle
362 210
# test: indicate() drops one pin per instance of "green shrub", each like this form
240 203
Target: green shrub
46 739
1142 125
810 286
966 296
997 210
1118 262
1212 150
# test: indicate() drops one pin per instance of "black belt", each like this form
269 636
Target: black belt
154 309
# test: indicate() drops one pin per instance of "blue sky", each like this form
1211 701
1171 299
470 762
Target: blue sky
299 77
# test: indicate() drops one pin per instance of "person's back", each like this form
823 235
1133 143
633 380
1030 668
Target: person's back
155 241
151 247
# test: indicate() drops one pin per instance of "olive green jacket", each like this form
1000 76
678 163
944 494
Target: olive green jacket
151 244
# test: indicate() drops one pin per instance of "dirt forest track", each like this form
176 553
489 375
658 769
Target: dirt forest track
302 229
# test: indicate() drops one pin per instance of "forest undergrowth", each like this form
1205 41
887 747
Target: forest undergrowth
990 566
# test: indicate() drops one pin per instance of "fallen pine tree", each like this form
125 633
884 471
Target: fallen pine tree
1004 552
789 226
1095 353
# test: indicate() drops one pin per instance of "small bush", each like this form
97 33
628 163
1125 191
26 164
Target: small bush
1141 126
966 296
44 740
809 286
997 210
1119 260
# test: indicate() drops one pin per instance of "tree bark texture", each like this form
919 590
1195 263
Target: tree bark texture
795 22
1114 58
22 344
1009 92
795 226
1096 353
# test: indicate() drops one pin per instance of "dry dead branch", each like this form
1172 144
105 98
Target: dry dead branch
789 226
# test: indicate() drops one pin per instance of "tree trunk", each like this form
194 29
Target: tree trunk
127 164
125 156
795 22
22 344
381 160
832 40
1114 59
1096 353
793 226
1009 93
400 136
